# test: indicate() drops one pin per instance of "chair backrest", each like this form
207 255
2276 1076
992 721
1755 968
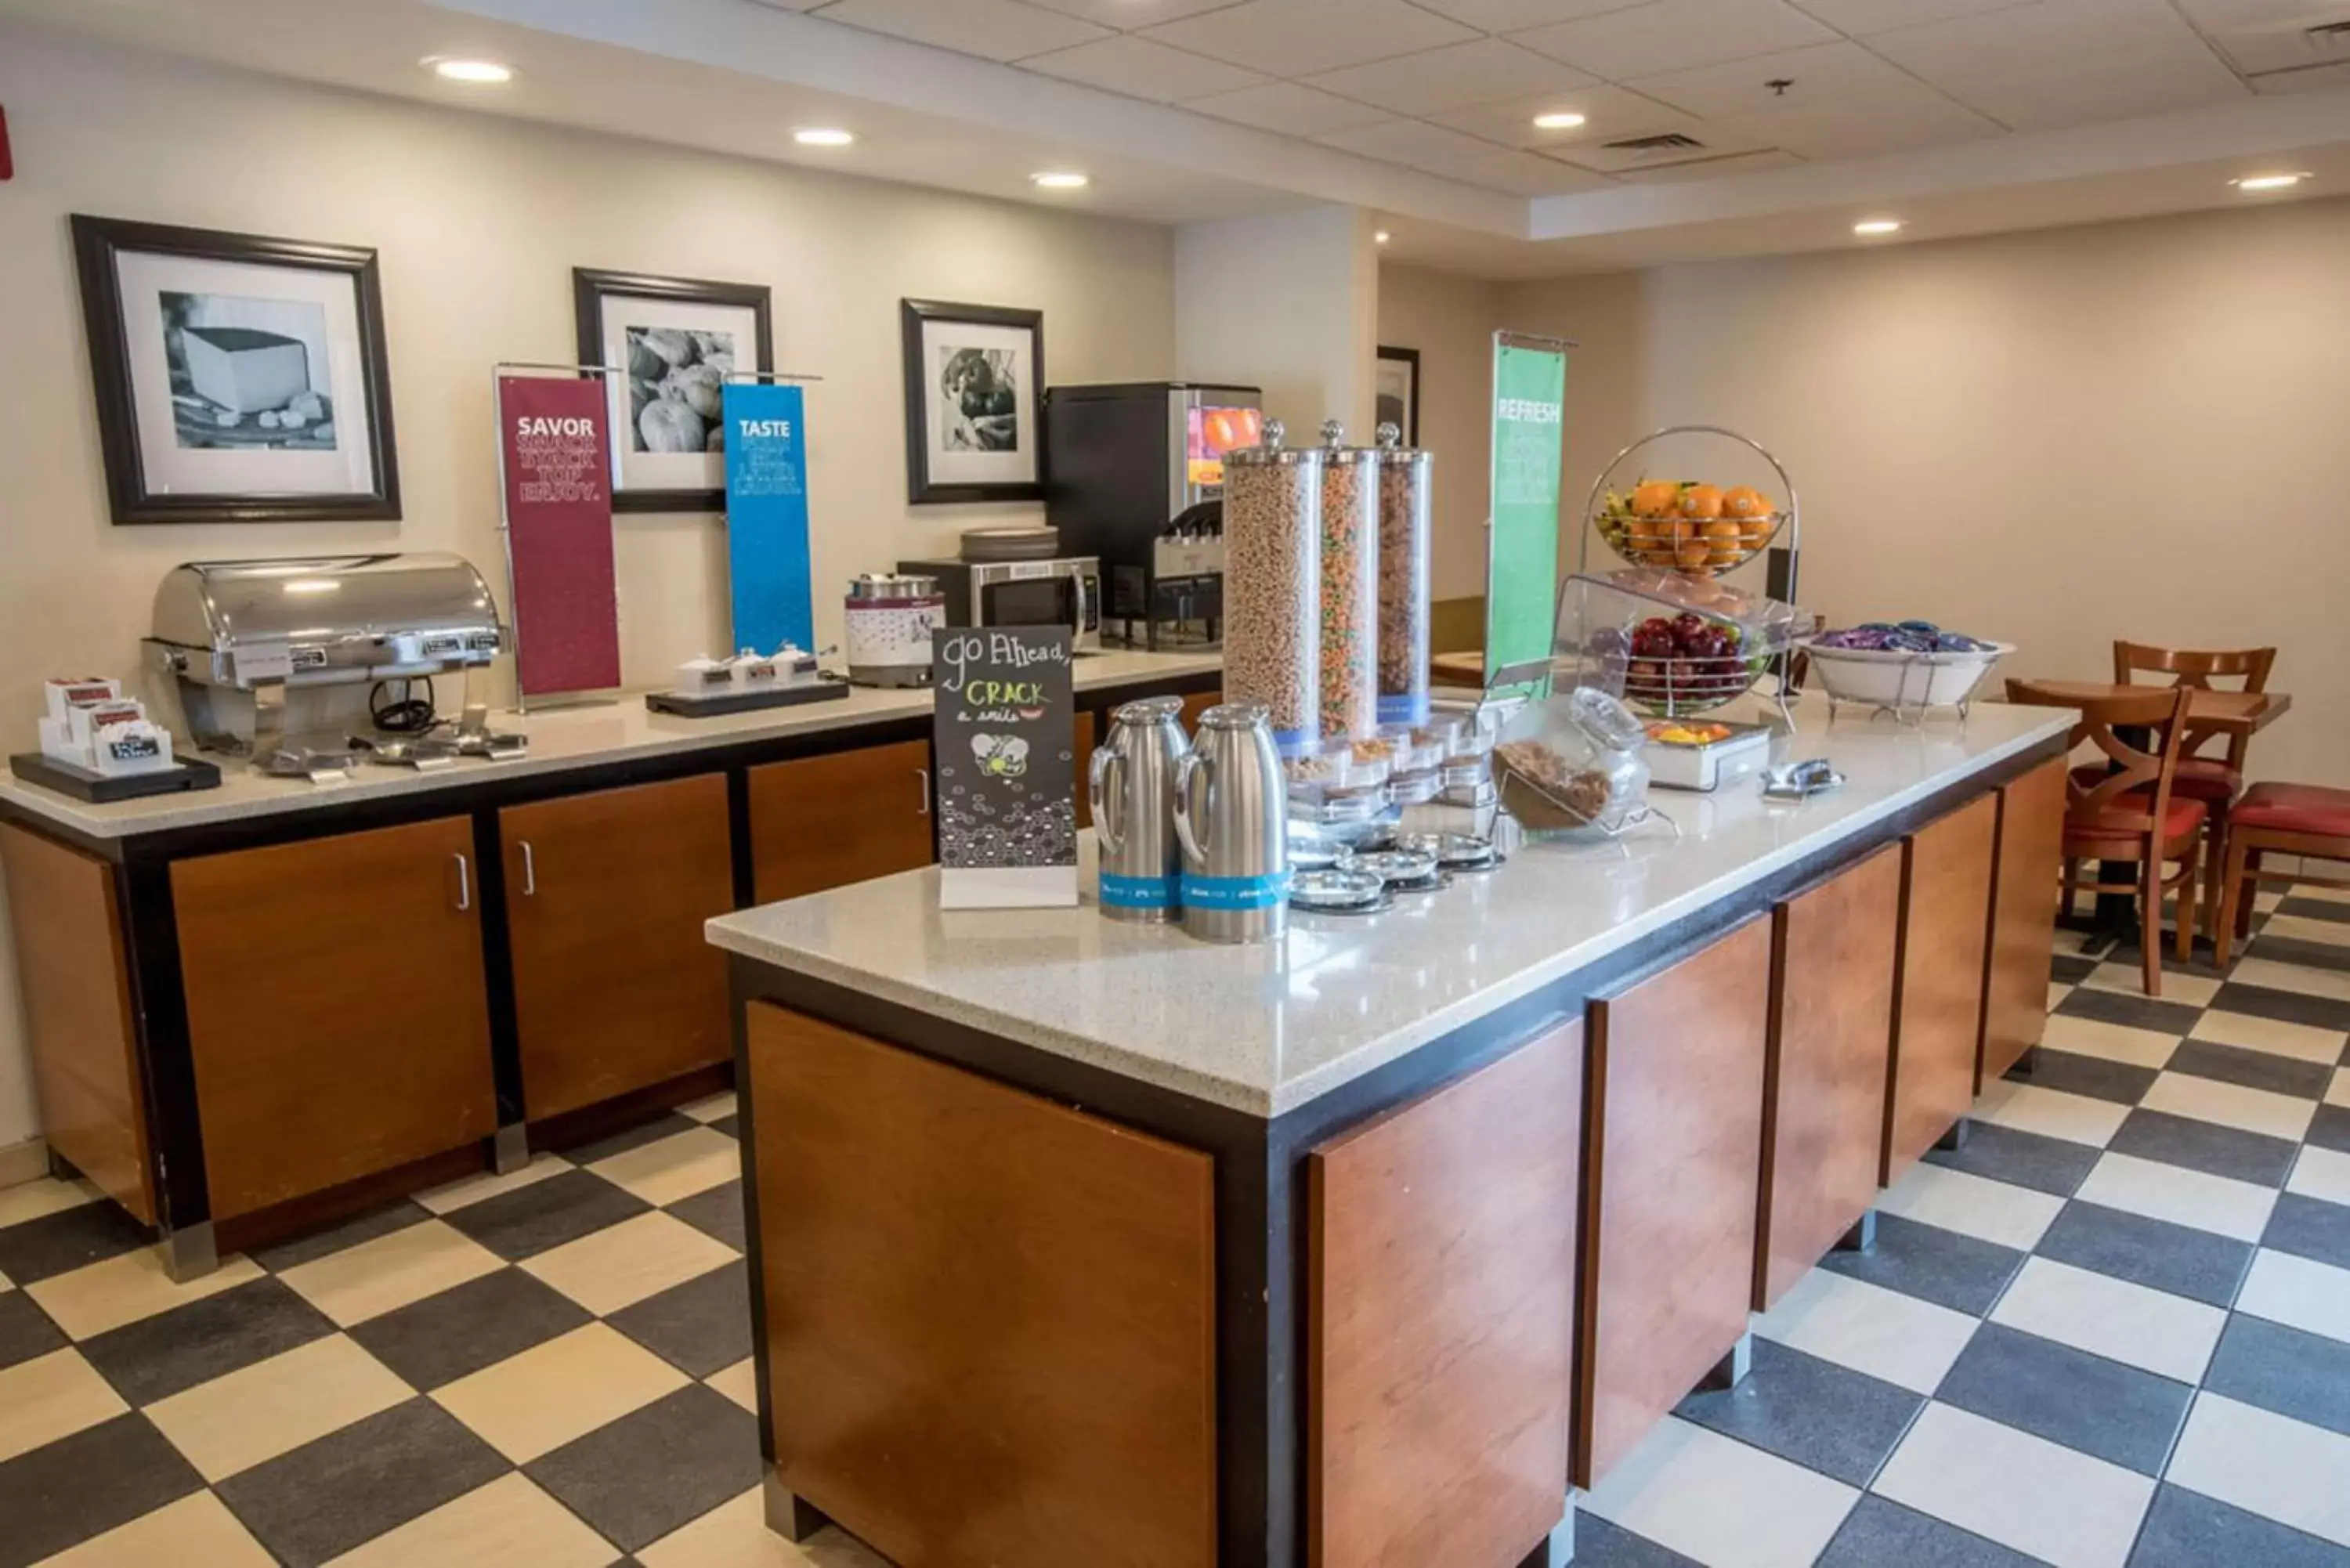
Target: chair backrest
2195 668
2134 794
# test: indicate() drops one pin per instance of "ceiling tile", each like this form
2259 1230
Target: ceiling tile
1714 168
993 29
1299 37
1289 109
2065 62
1675 34
1531 174
1459 75
1508 15
1858 19
1869 127
2271 34
1140 68
1127 16
1821 73
1609 113
1432 149
2322 79
1715 141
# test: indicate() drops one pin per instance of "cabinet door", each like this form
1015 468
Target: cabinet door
1831 1031
1197 704
1670 1177
1938 1014
826 822
2023 916
1085 765
336 1008
615 988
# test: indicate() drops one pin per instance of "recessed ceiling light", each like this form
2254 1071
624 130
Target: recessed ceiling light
822 136
1871 227
1564 119
1060 180
1381 237
2268 182
481 72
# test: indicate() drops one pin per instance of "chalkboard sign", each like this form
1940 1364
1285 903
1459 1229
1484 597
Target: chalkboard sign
1007 767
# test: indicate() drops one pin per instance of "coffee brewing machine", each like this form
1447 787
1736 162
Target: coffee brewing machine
1137 480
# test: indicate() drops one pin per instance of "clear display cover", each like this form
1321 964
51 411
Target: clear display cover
1667 643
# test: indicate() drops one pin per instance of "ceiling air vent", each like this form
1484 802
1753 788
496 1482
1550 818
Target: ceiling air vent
1667 142
2329 38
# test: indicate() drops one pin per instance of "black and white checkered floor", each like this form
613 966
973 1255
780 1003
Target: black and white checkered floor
2114 1329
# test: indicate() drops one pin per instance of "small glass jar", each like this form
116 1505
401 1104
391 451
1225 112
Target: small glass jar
1468 748
1416 762
1339 785
1573 762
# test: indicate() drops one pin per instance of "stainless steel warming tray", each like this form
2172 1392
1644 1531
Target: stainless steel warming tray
237 634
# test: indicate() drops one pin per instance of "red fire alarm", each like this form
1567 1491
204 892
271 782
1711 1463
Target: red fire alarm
7 164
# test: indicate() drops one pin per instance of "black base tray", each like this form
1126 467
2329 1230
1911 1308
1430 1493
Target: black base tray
39 767
742 699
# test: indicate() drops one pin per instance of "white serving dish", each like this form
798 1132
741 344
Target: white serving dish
1889 678
1677 765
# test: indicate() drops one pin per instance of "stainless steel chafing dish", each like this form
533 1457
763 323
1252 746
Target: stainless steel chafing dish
238 635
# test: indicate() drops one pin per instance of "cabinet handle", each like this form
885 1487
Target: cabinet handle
464 885
530 871
924 774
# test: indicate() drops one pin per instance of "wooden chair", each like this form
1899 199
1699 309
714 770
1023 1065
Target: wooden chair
2125 809
2307 820
2216 781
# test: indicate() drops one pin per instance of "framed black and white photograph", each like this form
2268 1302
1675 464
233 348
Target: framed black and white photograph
974 401
239 378
678 339
1397 385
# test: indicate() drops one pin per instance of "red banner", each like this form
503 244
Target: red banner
556 447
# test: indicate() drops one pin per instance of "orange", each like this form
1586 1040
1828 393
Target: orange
1701 501
1745 501
1655 497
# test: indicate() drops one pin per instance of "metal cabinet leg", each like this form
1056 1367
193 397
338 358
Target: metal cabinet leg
1956 1138
789 1515
188 1253
2027 1065
1731 1369
60 1167
510 1149
1555 1550
1862 1237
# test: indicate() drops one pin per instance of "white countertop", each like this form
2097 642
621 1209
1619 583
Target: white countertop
623 730
1264 1029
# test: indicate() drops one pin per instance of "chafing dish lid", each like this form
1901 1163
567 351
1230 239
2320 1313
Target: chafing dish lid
227 604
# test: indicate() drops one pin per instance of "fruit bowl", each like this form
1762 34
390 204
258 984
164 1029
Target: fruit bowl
1902 678
1668 644
1688 526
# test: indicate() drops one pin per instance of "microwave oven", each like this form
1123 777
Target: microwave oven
1063 592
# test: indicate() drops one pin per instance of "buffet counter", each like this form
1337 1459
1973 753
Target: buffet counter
1078 1242
259 1006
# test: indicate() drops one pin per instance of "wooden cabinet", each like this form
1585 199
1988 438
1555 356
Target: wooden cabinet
615 988
989 1319
2023 901
1197 704
1440 1335
337 1014
1937 1005
1670 1187
1824 1094
71 965
826 822
1086 739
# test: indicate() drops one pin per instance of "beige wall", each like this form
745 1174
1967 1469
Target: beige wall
2054 439
1451 320
480 222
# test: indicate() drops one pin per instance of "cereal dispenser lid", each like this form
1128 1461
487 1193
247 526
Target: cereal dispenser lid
1272 452
1392 447
1332 435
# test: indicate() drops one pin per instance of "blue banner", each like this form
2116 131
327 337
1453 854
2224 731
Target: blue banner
767 516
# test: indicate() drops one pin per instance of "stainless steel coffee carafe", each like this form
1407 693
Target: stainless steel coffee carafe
1231 814
1132 784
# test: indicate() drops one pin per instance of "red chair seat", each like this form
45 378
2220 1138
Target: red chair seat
2296 808
2114 821
2198 778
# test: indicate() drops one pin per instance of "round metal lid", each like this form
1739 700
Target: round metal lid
1335 450
886 586
1336 890
1272 450
1390 447
1148 710
1235 716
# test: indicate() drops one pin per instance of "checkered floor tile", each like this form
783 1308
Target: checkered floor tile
2112 1331
547 1368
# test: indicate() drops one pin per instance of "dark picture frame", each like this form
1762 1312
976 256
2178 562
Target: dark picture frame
591 288
109 320
1404 362
925 486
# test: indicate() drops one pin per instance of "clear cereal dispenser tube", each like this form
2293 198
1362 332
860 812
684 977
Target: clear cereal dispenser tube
1403 613
1350 587
1273 589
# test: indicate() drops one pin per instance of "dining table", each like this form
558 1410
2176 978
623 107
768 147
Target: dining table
2209 714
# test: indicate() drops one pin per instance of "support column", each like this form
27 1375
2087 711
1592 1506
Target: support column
1288 302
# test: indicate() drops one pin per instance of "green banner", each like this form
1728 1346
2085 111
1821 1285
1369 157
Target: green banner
1522 548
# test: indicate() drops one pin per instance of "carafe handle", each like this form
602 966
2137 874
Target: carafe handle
1111 839
1192 763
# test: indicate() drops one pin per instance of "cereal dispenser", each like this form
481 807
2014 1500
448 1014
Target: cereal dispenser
1272 595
